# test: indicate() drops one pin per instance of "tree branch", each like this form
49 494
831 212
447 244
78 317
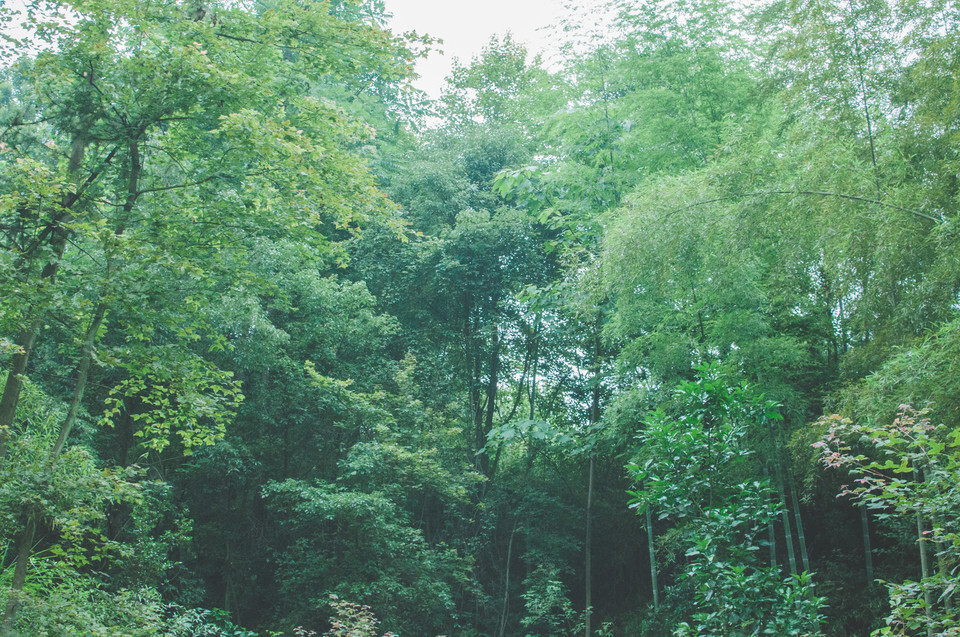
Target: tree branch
815 193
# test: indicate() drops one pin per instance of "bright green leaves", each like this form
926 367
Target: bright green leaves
500 87
191 134
176 395
75 501
308 182
548 610
407 476
693 469
150 151
688 463
70 494
923 374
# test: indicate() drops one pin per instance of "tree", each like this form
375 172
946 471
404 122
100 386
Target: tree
128 116
169 138
694 470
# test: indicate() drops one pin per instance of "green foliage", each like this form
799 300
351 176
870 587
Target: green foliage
548 610
499 85
70 496
66 603
361 545
924 375
350 620
149 153
714 419
188 397
735 596
76 502
693 469
913 470
423 405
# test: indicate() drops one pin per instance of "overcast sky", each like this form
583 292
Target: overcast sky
466 25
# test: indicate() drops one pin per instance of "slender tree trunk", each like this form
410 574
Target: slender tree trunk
924 567
653 560
28 336
26 538
867 551
785 483
801 538
787 531
772 540
506 585
866 108
696 304
784 511
532 395
924 574
771 532
588 588
227 583
80 387
594 419
491 403
942 565
125 434
805 559
472 365
26 340
535 365
11 390
605 93
24 549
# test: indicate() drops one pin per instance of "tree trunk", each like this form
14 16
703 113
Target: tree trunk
924 567
777 461
788 532
472 365
506 585
801 538
57 236
653 560
11 391
924 574
866 108
772 540
867 551
771 531
588 601
24 549
795 501
25 543
491 403
942 564
532 395
83 371
594 419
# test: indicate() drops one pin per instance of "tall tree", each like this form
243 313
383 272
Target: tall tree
170 138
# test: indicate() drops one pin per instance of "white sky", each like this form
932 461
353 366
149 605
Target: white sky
466 25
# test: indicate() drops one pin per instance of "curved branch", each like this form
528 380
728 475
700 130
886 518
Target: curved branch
815 193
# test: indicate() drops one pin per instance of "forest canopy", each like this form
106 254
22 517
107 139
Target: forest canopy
660 339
